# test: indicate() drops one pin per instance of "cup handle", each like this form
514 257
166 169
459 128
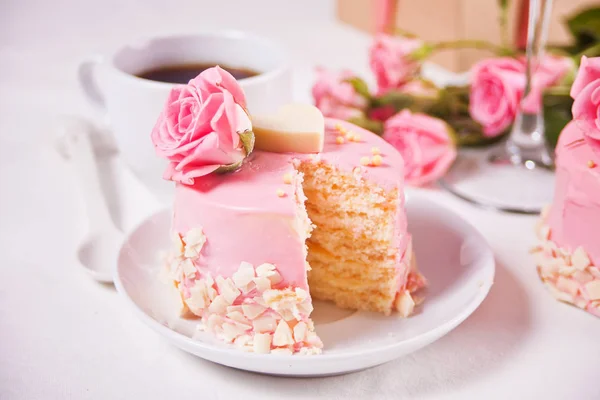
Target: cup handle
87 74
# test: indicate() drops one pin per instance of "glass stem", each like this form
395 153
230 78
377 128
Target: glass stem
527 140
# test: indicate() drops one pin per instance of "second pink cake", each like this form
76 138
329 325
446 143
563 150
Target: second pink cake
568 260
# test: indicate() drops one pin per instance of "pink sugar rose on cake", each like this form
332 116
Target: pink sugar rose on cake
391 61
335 96
586 108
589 70
204 127
425 144
586 111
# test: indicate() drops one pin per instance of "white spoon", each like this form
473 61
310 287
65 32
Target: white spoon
98 252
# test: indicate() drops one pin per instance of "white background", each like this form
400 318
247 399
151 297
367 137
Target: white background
63 336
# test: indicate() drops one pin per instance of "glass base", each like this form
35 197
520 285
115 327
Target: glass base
494 180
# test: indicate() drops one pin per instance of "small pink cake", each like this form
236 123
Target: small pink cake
254 244
568 261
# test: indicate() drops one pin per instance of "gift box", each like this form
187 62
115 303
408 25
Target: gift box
445 20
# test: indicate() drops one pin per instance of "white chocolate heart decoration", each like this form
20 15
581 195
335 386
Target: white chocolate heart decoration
295 128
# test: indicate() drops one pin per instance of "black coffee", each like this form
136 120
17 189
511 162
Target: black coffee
183 73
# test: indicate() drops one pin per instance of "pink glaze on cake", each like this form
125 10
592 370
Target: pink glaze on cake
574 218
233 205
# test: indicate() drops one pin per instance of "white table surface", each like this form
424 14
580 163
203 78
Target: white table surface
63 336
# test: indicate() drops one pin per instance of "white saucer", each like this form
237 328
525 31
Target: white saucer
452 255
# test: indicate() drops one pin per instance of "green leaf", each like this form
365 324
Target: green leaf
360 86
503 4
374 126
247 139
397 100
224 169
591 51
422 52
453 101
557 114
468 133
585 27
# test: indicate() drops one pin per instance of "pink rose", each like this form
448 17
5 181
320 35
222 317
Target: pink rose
425 144
589 69
217 80
551 71
335 97
496 89
497 86
420 88
586 107
391 61
203 127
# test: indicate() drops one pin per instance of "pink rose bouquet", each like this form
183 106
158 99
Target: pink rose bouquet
425 144
426 122
204 127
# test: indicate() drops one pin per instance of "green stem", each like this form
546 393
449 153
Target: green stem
402 32
504 23
592 51
557 91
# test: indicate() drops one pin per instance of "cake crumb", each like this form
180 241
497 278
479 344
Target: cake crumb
376 160
375 151
280 193
365 161
339 140
287 178
591 164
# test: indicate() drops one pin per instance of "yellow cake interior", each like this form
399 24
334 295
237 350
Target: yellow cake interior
351 252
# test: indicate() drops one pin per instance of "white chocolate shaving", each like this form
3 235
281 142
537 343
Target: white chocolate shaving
262 343
283 335
405 304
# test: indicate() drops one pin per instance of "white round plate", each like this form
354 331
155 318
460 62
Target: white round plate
452 255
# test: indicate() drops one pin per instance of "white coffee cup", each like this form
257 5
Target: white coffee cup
132 104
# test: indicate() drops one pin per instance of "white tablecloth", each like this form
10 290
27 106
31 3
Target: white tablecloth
62 335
